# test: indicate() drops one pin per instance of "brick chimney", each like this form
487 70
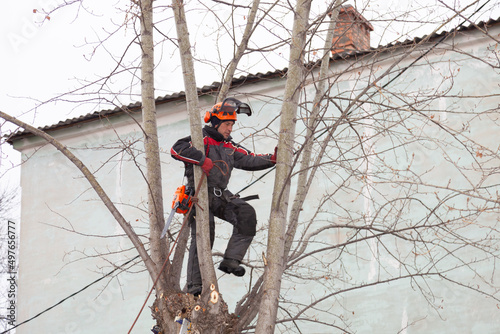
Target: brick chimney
352 32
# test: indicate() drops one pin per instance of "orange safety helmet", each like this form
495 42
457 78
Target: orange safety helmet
227 110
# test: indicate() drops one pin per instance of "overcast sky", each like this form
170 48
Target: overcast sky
41 57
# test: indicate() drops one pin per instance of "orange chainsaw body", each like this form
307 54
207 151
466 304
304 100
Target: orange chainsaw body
182 200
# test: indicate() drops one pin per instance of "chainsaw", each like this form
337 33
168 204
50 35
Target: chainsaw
180 204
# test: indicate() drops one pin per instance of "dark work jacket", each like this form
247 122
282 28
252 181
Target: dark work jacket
218 149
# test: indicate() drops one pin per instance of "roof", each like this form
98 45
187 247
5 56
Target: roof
242 80
434 36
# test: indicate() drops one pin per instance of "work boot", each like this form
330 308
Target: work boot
195 290
230 266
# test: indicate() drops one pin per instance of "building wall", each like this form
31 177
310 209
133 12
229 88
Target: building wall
65 229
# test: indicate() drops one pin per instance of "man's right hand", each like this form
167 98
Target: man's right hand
207 166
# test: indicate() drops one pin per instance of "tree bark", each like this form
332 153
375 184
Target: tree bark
302 183
202 223
159 249
276 238
210 315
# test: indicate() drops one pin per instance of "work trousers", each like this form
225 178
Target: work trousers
233 210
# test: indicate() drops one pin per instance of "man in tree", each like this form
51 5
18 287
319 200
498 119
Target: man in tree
223 154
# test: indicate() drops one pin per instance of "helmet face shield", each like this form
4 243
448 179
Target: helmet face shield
244 108
231 104
228 106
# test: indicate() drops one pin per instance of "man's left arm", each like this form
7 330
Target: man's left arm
246 160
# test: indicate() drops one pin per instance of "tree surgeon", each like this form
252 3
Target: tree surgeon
223 154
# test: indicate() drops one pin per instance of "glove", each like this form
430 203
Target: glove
207 166
273 157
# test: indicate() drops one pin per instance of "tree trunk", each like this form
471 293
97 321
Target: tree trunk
210 314
305 179
276 238
158 247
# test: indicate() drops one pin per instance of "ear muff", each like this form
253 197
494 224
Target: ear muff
207 117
